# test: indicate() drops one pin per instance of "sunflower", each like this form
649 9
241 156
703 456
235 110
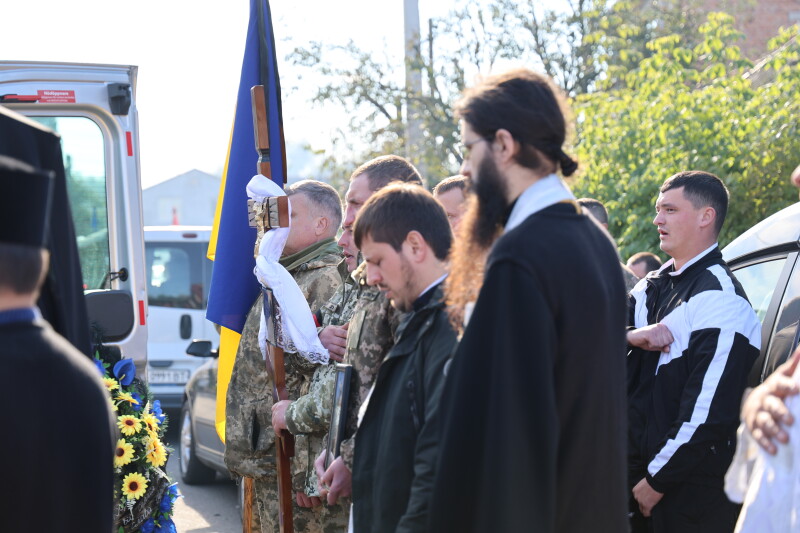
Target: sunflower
110 383
134 486
127 397
151 422
129 425
123 453
156 454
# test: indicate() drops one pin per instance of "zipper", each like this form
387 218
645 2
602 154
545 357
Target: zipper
413 400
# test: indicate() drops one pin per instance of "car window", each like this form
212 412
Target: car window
83 148
177 274
784 335
758 281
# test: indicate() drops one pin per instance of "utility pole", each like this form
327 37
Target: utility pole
413 131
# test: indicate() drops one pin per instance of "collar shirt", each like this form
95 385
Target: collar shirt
544 193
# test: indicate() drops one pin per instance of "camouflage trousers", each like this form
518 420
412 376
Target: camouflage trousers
321 519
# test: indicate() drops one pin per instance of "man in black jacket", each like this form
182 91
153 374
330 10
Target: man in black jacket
404 236
694 337
56 479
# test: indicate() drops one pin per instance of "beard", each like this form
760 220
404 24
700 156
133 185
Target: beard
480 227
404 301
487 213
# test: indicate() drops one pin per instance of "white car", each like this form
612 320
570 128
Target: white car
178 279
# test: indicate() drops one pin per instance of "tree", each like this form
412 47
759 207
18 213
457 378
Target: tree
692 108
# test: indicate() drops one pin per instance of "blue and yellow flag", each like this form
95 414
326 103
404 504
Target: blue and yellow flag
234 288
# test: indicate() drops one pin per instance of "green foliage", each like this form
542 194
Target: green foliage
685 108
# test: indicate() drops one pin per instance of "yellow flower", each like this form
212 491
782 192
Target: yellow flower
110 383
134 485
156 454
126 396
129 425
151 422
124 453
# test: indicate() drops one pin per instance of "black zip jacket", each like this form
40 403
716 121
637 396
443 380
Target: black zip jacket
396 443
684 404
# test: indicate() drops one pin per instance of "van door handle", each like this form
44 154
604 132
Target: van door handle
186 326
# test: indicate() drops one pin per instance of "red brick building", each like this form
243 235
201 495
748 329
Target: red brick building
759 20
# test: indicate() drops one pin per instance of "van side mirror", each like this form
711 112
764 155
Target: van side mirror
112 311
201 349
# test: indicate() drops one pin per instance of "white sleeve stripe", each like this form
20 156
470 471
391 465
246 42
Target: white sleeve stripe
702 404
639 293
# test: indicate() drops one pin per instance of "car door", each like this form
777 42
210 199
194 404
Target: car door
765 279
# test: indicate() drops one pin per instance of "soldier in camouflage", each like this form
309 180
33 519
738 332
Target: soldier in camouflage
308 417
311 255
370 333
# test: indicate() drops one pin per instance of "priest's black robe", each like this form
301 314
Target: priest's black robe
533 412
58 439
61 300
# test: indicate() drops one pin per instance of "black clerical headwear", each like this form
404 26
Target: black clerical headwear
24 202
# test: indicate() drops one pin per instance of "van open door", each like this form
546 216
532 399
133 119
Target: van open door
93 109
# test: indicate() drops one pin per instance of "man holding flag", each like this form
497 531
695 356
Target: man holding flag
234 288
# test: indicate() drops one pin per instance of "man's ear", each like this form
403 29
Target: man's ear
708 216
504 145
321 227
416 246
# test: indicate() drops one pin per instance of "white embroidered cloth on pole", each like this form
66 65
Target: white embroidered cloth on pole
295 330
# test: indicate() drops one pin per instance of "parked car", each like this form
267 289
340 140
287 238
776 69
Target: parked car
201 450
765 261
178 278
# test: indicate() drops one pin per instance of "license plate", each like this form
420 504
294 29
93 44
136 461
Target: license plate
179 377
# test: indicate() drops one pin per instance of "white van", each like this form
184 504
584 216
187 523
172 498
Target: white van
178 278
93 109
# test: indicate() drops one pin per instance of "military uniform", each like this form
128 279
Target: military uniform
310 415
249 436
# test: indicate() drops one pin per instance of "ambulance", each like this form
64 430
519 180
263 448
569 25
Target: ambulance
93 109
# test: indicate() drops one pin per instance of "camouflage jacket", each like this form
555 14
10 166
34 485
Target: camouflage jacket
248 410
369 338
309 416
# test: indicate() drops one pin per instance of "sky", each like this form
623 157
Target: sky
189 55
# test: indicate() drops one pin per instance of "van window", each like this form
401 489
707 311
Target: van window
784 336
83 148
758 281
178 274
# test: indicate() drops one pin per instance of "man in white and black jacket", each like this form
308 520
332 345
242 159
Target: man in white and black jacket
693 337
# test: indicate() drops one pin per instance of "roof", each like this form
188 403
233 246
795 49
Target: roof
779 231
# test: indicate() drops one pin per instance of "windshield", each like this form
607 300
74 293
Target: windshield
83 149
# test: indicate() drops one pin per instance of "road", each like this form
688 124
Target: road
210 508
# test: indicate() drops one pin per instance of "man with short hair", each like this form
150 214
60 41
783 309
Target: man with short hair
642 263
405 237
372 328
693 338
533 409
598 211
311 256
71 476
451 193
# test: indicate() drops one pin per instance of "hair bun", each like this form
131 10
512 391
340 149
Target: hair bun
568 165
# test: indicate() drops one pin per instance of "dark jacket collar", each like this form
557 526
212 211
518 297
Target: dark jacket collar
668 271
417 322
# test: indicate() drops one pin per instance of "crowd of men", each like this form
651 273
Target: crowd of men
509 373
502 380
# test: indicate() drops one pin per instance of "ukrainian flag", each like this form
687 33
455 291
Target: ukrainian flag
233 286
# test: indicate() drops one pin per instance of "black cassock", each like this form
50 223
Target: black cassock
61 301
57 444
533 412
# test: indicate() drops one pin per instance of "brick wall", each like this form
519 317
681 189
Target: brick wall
759 20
